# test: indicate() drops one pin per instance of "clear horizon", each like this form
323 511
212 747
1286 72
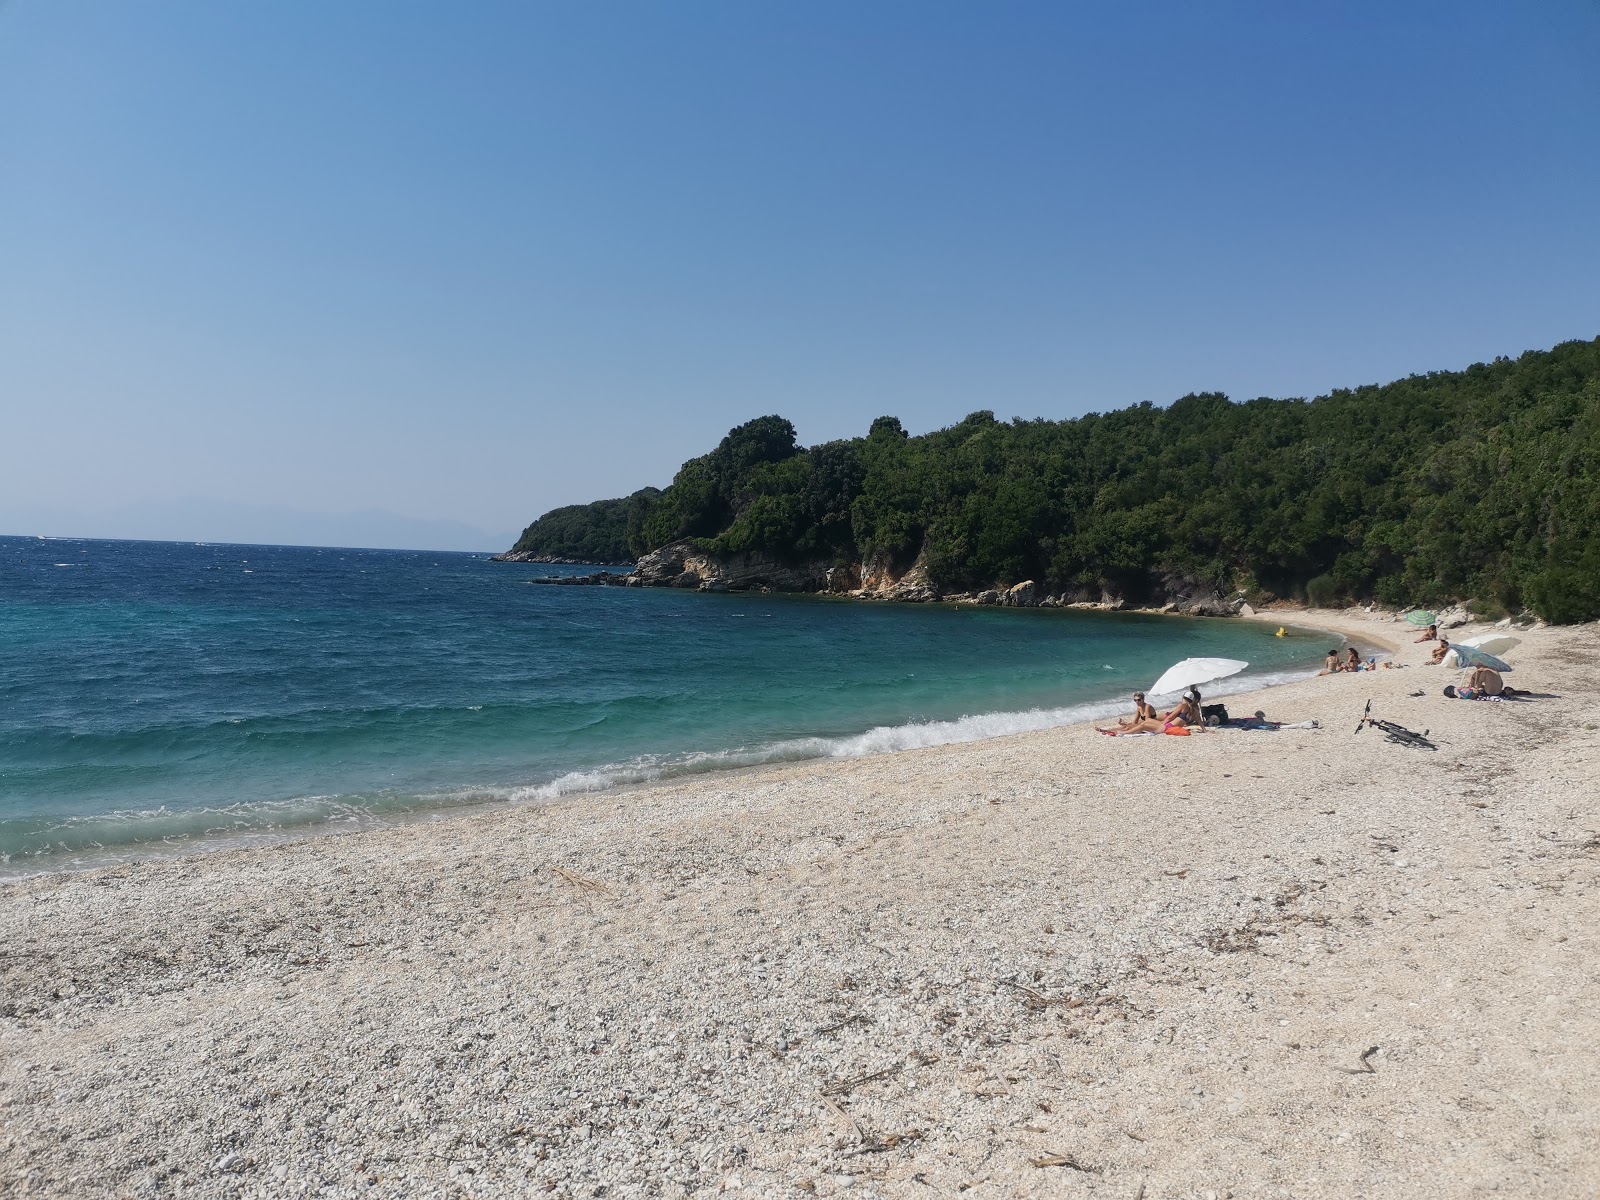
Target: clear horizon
396 274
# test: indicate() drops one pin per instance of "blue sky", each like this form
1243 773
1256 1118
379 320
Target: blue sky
418 272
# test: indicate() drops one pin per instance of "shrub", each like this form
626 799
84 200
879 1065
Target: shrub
1323 591
1565 595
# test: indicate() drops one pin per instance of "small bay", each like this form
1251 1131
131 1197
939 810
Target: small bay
158 696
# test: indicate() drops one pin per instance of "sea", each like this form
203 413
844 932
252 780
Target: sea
162 697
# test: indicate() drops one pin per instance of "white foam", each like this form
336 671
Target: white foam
259 822
882 739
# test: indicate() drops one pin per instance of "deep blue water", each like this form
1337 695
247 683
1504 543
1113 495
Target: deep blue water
152 693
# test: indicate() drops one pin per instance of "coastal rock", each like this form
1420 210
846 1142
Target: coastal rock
1022 595
1087 596
598 579
1184 594
755 571
660 567
841 581
686 566
914 587
528 556
876 576
880 582
683 565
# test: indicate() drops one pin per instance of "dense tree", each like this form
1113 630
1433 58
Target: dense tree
1481 484
596 533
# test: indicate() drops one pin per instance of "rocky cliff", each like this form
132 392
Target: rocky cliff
683 565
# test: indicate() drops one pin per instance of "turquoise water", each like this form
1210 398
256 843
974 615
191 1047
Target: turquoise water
153 694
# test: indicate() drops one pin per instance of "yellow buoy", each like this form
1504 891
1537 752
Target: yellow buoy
1280 632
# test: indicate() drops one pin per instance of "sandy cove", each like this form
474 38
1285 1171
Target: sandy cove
1241 964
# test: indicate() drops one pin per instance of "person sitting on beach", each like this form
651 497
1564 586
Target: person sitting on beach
1440 650
1486 681
1145 719
1330 665
1353 661
1430 635
1187 712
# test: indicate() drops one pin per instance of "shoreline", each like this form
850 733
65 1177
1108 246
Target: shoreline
1084 713
1168 960
1350 623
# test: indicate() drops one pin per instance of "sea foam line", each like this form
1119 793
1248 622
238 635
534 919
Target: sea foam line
125 835
881 739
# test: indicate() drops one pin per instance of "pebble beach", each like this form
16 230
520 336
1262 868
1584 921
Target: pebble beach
1301 963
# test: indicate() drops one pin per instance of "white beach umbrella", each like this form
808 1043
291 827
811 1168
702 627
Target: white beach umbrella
1492 643
1192 672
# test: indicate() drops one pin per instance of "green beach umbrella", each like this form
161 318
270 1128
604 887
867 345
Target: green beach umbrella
1421 616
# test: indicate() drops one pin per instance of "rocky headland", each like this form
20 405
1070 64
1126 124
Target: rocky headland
684 565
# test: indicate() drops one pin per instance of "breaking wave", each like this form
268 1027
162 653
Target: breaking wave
124 835
881 739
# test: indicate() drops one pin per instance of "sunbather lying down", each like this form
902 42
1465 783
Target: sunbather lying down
1258 720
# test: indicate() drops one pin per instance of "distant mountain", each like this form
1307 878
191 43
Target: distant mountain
201 520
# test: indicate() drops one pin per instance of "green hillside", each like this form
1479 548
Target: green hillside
1481 485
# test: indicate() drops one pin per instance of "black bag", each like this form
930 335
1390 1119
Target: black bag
1214 714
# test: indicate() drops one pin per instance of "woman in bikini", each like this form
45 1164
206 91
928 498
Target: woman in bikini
1144 720
1186 713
